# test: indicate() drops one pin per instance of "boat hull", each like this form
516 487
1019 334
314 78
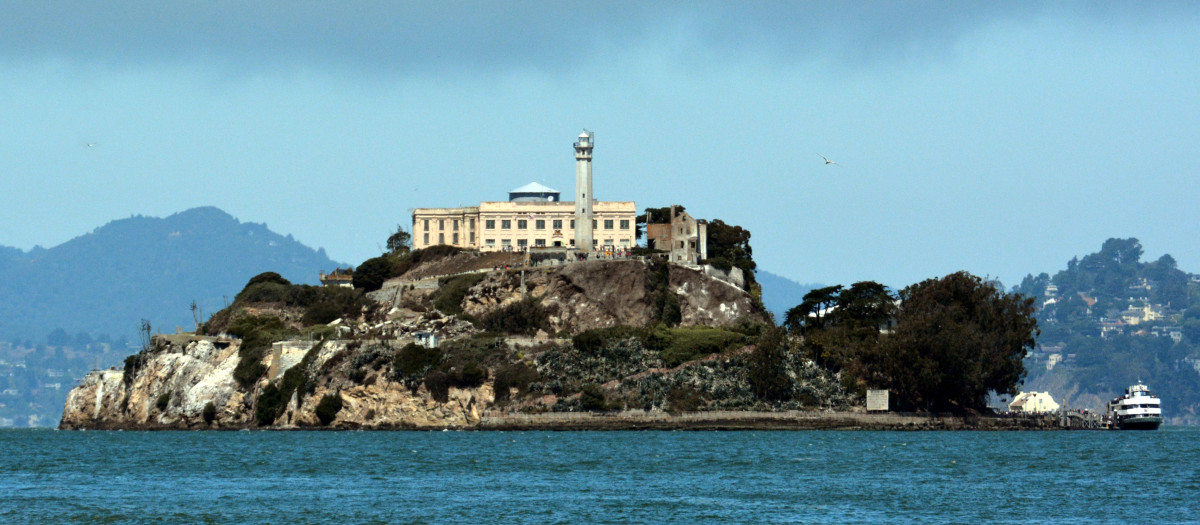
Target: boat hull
1140 423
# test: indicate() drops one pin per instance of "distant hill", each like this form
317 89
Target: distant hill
780 294
1109 320
105 282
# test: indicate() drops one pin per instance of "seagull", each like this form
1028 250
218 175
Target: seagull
827 161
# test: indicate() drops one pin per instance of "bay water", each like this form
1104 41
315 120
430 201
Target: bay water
50 476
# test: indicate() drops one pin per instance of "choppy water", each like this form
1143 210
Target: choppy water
50 476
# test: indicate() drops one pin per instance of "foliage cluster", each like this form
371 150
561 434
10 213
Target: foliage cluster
460 364
665 308
452 290
328 408
953 340
296 380
524 317
514 375
257 332
372 273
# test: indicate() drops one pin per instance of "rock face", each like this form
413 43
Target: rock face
189 382
193 374
601 294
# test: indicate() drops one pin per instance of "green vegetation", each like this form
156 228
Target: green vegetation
767 366
524 317
674 345
591 398
296 380
451 290
954 340
257 333
514 375
209 413
328 408
1086 321
372 273
163 401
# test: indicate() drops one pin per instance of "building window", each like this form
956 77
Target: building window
572 242
489 224
624 224
441 224
624 243
522 243
471 224
572 224
522 224
595 243
608 223
491 243
441 238
557 224
455 239
505 224
426 239
539 224
426 225
539 242
455 224
593 224
471 236
505 243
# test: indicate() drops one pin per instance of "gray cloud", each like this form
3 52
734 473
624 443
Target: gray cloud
431 36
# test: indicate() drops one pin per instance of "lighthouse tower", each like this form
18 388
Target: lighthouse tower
583 192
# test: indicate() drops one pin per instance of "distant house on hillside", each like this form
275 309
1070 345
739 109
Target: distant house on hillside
343 277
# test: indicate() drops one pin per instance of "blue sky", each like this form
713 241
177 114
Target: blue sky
997 138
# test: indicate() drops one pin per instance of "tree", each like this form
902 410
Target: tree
370 275
767 367
399 242
957 339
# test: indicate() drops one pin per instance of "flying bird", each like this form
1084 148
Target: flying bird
827 161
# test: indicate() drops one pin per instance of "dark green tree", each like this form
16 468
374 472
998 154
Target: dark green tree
957 339
399 242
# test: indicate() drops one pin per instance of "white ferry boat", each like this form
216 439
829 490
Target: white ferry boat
1136 410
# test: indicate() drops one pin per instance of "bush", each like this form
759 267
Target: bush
271 404
697 341
162 401
525 317
209 413
591 398
257 333
438 384
451 291
414 360
516 375
328 408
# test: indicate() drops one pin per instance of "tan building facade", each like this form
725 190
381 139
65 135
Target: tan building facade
533 217
517 226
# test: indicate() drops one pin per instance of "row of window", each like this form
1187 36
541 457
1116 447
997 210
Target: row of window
441 224
453 238
524 243
556 224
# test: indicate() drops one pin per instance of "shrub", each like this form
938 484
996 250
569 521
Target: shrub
328 408
438 384
133 364
525 317
271 404
697 341
591 398
414 360
162 401
516 375
257 333
209 413
451 291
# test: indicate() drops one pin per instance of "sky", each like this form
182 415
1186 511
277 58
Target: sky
1000 138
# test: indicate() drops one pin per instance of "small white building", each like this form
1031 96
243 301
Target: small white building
1033 403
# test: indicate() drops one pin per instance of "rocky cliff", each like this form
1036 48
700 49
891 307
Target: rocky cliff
365 370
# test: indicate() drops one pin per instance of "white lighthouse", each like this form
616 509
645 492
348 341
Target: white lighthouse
584 200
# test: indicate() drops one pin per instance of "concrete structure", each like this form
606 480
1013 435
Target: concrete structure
1033 403
584 198
684 239
877 401
534 216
